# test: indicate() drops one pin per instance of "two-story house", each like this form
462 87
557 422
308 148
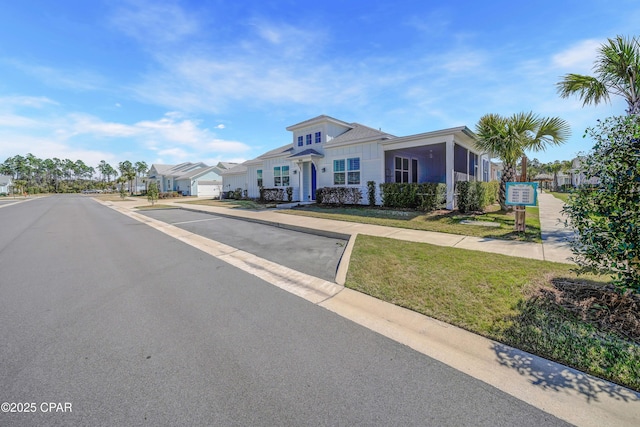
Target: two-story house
327 152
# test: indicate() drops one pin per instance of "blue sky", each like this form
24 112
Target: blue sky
220 80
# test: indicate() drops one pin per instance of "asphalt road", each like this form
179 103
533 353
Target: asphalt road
131 327
314 255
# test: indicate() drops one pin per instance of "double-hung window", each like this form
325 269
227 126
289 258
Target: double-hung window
300 141
281 176
259 173
309 139
318 137
402 169
346 171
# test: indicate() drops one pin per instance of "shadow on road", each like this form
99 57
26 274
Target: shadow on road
552 376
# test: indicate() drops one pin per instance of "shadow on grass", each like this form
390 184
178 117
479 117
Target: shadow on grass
553 376
581 323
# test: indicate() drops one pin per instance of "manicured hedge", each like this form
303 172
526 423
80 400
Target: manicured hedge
426 196
271 194
475 196
338 196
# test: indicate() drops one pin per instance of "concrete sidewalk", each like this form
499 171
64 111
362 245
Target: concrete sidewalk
554 247
555 235
564 392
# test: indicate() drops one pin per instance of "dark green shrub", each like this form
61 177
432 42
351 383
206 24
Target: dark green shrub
605 218
371 192
289 194
271 195
463 191
319 196
426 196
340 196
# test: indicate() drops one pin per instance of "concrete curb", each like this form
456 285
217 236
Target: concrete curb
564 392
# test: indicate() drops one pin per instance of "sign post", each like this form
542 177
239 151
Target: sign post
520 195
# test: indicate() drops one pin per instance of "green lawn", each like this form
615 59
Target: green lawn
228 203
496 296
562 196
442 221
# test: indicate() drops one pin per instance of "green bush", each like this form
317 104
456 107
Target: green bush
271 194
426 196
339 196
371 192
475 196
605 218
289 194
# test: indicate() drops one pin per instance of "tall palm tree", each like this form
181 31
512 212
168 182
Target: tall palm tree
509 137
617 70
128 173
141 170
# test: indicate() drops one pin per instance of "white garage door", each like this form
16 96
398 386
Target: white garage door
208 189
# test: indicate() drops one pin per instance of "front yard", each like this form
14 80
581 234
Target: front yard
440 221
537 306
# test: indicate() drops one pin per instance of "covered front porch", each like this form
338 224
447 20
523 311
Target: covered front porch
446 157
306 170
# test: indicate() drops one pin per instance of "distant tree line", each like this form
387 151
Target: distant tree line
33 175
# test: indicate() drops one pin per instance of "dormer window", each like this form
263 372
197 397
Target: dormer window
318 137
308 139
300 141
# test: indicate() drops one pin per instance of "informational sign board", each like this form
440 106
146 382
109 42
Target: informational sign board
522 193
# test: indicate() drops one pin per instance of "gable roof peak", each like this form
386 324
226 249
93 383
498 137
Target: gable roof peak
319 119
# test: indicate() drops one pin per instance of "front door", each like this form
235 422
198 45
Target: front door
313 181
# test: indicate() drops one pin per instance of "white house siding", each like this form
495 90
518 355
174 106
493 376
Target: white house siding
268 176
370 155
235 181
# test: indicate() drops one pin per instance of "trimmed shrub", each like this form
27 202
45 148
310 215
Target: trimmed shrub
371 192
271 194
289 194
339 196
426 196
475 196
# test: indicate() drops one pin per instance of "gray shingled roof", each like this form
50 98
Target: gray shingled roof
307 152
320 117
280 150
359 132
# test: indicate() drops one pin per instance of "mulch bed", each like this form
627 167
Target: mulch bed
602 306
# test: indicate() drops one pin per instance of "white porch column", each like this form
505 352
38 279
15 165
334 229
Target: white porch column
449 171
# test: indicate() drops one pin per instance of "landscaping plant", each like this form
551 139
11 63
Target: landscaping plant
606 216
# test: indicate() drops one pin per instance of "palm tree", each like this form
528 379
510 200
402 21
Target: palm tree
141 170
617 70
127 173
509 137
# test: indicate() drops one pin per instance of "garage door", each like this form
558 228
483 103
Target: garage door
208 189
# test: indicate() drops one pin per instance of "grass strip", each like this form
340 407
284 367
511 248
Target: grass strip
494 296
442 221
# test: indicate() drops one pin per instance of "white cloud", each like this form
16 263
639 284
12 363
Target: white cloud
220 126
154 23
74 79
579 58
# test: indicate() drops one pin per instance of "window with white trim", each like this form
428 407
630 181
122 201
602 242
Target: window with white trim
318 137
281 176
402 169
300 141
309 139
259 173
346 171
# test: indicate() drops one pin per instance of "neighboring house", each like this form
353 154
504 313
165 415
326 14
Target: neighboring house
327 152
190 179
496 171
577 176
5 184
